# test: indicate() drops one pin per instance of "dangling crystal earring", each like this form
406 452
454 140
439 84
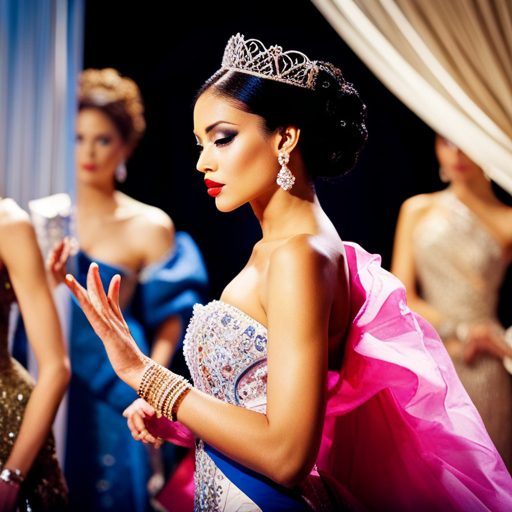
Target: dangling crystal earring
285 178
121 172
443 176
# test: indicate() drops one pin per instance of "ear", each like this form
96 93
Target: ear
287 138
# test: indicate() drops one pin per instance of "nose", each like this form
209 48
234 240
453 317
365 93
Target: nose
205 162
85 148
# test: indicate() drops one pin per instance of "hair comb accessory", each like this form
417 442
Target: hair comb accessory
250 56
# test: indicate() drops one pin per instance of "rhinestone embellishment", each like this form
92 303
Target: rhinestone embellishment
221 345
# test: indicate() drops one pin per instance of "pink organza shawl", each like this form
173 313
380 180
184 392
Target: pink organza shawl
400 432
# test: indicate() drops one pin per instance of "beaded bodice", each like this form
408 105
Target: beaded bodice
459 263
226 352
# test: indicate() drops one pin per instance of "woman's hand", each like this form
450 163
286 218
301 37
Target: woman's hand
486 338
8 496
136 413
57 261
104 314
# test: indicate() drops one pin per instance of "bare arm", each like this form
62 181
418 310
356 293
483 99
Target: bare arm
21 255
282 444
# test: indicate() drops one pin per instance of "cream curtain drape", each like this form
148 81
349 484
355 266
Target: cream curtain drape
449 61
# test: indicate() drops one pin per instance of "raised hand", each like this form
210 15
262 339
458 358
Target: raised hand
105 317
56 262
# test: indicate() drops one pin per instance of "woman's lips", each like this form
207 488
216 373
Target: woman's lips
89 167
214 188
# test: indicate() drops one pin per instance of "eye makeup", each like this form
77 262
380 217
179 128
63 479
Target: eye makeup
223 139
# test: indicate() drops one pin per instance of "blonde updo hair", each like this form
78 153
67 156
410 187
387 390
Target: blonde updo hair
116 96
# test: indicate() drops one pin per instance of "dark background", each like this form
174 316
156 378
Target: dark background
169 55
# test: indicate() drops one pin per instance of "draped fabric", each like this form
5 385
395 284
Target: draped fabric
400 432
449 61
40 57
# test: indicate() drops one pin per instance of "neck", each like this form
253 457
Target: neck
283 214
94 200
479 188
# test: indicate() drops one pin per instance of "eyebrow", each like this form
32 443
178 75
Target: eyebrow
212 126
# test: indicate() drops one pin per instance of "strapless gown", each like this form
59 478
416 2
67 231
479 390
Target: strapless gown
400 432
44 488
460 268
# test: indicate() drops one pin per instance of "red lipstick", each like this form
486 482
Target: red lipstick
89 167
214 188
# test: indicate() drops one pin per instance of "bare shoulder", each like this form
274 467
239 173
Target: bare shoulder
414 208
13 218
418 205
151 221
10 212
17 232
303 254
153 228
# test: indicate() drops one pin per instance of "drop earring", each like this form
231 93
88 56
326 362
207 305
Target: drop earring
121 172
443 176
285 178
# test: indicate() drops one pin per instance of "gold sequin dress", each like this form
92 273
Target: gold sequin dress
460 268
44 488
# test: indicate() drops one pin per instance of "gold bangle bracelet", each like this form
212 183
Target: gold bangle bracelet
163 389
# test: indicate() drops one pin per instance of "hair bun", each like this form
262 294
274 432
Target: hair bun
101 87
344 121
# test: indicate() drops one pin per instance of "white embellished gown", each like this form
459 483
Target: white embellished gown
226 352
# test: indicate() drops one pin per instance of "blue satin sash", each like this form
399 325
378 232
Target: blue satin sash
267 494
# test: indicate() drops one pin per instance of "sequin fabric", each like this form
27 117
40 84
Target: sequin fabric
460 265
460 268
44 488
226 352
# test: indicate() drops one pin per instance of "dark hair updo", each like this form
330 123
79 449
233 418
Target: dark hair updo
116 96
331 117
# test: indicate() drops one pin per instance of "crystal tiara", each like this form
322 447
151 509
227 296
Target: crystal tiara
252 57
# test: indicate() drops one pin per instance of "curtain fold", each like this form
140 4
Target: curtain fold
41 47
449 61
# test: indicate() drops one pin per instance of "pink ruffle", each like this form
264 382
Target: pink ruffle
174 432
400 431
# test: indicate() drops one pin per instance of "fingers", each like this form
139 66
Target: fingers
139 431
470 351
95 289
139 406
65 252
83 299
503 349
113 298
77 289
57 260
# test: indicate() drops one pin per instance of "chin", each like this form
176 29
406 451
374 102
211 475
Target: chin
92 178
224 205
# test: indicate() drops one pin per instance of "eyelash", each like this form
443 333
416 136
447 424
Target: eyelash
224 141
